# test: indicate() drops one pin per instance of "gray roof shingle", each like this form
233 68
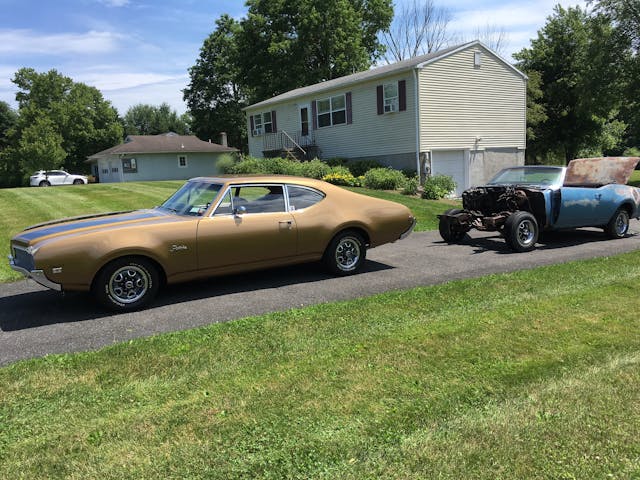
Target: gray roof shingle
163 143
366 75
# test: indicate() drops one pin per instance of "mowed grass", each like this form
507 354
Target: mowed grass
21 207
528 375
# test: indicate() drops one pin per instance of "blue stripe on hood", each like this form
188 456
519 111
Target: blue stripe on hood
92 222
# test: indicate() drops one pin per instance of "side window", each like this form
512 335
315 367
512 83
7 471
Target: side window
255 198
225 207
302 197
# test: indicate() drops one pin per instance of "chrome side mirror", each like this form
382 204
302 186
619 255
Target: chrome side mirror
241 210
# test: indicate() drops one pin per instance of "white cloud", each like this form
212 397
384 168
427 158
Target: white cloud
22 42
115 3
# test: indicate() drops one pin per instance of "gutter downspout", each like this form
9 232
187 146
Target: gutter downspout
417 107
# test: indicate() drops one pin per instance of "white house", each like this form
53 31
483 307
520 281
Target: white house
168 156
459 111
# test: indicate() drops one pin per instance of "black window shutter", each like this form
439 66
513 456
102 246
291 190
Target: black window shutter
253 127
349 109
402 95
379 94
314 115
274 127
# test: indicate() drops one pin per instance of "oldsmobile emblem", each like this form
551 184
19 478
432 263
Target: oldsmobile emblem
177 248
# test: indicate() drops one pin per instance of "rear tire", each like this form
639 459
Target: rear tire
618 226
445 227
521 231
44 183
77 181
345 254
126 284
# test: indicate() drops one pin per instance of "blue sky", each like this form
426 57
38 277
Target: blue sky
139 51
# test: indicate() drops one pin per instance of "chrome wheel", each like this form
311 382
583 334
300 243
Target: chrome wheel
526 232
621 223
347 253
128 284
618 226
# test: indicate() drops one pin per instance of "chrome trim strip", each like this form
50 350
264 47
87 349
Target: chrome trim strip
406 234
36 275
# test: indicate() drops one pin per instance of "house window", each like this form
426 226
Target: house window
477 59
390 97
114 169
105 171
332 111
262 123
129 165
182 161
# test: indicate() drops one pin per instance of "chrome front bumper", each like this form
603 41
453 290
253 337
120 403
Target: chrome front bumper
36 275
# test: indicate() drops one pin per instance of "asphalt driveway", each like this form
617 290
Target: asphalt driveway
35 321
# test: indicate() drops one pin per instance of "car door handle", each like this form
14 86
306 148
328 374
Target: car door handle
285 224
598 196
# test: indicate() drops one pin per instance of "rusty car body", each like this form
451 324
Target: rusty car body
210 226
520 202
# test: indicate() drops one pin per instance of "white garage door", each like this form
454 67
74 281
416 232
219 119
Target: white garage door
451 163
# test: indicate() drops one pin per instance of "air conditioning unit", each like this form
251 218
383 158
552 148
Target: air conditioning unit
391 107
257 131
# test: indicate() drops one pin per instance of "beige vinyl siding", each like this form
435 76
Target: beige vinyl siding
460 102
369 134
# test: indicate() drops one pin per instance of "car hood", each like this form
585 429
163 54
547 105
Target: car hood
90 223
599 171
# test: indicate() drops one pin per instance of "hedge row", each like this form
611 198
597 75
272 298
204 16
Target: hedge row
364 173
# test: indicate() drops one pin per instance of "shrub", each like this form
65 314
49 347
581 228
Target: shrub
341 176
337 162
226 163
438 186
361 167
384 179
282 166
411 186
315 169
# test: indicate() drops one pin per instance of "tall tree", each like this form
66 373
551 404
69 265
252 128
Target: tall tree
215 96
625 15
418 28
77 113
10 172
288 44
144 119
579 59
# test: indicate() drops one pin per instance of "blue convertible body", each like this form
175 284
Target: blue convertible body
520 202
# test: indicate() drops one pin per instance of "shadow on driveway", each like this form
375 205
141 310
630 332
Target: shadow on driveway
46 307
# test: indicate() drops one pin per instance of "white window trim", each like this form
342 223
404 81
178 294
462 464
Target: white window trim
331 110
391 104
260 124
186 161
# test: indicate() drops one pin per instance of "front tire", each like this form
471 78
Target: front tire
445 227
521 231
77 181
618 226
345 254
126 284
44 183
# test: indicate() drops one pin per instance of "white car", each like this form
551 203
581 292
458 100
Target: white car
47 178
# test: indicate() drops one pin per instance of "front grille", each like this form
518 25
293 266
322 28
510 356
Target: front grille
22 259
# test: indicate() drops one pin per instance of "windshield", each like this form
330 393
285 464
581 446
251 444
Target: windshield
193 198
542 176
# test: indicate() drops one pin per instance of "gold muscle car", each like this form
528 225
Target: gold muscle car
210 226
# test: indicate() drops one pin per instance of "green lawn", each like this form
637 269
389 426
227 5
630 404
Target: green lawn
21 207
529 375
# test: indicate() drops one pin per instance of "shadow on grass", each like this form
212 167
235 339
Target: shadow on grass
46 307
547 241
